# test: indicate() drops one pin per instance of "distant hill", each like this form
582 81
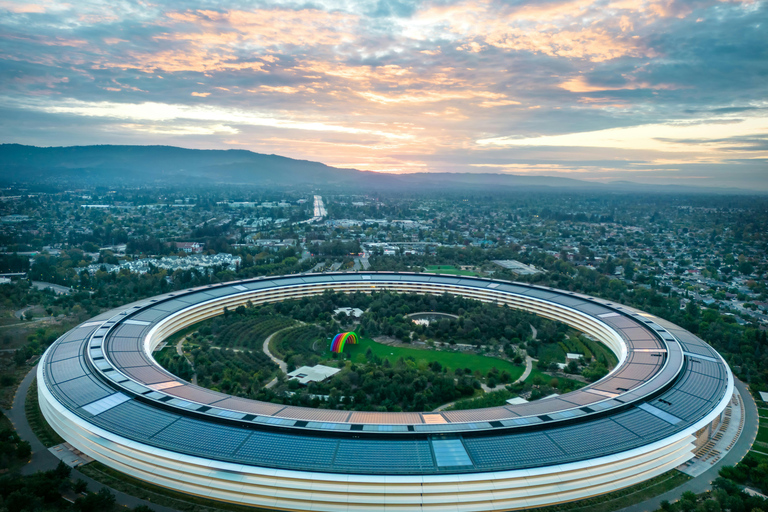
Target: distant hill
164 165
159 164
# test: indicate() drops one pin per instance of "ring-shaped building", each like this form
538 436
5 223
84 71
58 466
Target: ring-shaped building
102 391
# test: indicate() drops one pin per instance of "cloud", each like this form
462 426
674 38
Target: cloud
163 112
22 8
658 137
593 87
580 84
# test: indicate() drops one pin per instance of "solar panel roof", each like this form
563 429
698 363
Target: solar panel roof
180 416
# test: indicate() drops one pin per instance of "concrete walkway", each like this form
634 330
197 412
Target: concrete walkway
44 460
283 366
180 351
703 482
528 367
723 438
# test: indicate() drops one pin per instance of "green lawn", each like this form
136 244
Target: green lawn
450 269
552 352
758 456
451 360
454 272
762 412
762 434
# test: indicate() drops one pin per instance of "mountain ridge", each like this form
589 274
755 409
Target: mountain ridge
157 164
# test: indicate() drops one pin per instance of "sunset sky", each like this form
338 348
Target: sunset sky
651 91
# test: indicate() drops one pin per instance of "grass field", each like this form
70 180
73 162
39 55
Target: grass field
762 434
759 456
451 360
450 269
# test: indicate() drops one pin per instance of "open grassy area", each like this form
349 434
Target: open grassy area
450 269
451 360
762 434
762 457
37 422
759 450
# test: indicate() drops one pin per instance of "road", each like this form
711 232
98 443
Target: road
43 460
57 288
320 210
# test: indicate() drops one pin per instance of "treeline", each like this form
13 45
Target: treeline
103 290
751 471
379 386
726 495
536 388
336 248
43 492
174 363
744 347
477 323
304 345
227 352
12 448
245 327
12 263
238 372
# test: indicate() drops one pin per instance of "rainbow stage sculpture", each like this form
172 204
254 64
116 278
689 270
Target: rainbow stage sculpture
337 345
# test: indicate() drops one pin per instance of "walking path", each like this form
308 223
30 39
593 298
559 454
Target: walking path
279 362
44 460
721 440
180 351
528 367
282 364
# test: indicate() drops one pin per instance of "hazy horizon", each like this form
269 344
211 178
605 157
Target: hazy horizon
656 92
